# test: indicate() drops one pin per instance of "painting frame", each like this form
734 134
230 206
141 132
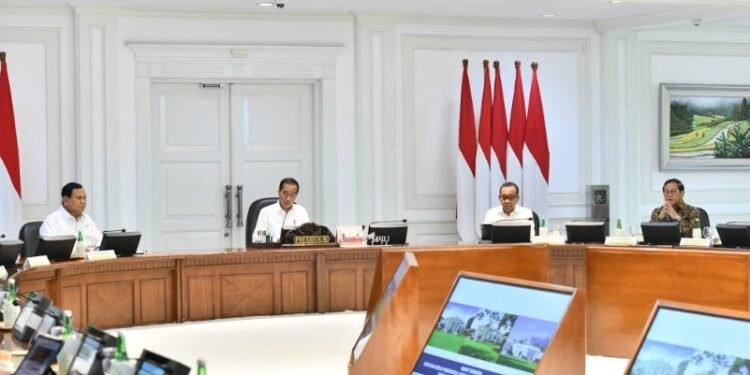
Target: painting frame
680 148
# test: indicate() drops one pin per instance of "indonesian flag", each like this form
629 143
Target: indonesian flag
465 165
536 170
483 156
10 171
498 159
517 133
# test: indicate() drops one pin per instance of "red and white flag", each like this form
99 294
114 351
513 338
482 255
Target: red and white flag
11 215
498 159
465 165
517 133
483 155
536 169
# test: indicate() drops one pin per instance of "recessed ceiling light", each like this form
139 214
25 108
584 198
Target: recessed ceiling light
547 15
264 4
615 1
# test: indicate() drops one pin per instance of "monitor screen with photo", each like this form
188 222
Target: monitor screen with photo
585 231
151 363
511 231
41 355
661 232
123 243
9 251
387 233
734 235
86 356
490 327
56 247
683 341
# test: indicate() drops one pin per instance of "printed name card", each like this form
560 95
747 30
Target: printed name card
37 261
100 255
696 242
351 235
621 241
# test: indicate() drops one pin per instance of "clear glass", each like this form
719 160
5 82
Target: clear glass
707 232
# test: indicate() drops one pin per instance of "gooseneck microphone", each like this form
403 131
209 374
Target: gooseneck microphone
123 230
388 221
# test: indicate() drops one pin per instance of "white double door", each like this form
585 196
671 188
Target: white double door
216 148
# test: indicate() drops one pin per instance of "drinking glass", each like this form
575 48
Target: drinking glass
707 232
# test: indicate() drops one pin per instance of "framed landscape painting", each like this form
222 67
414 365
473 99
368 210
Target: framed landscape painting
704 126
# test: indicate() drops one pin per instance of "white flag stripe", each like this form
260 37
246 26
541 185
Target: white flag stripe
11 217
535 188
465 201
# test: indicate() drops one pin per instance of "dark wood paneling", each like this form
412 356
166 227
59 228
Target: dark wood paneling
110 304
342 290
199 298
295 292
154 304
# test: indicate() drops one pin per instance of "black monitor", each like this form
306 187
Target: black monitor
661 232
585 231
511 232
123 243
9 251
387 233
40 356
56 247
486 232
154 364
734 235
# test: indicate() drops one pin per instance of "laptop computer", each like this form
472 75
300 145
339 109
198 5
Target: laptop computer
511 232
734 235
387 233
585 231
151 363
661 233
123 243
9 251
56 247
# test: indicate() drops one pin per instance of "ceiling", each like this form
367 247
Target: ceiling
580 10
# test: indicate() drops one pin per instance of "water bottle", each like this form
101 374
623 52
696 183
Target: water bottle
11 307
80 248
201 367
697 231
70 343
618 228
543 228
120 364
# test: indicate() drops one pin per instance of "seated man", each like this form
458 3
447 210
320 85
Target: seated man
509 210
675 208
70 218
283 213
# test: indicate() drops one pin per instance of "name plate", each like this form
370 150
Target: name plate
311 240
696 242
550 240
621 241
37 261
100 255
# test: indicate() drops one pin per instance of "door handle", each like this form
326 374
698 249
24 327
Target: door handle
228 202
239 206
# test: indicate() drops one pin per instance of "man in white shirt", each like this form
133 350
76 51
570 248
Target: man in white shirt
509 210
282 214
70 218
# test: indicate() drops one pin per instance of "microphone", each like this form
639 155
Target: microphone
388 222
512 219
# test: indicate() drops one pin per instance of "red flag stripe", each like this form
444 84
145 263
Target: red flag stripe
517 131
485 116
8 141
467 137
536 129
499 123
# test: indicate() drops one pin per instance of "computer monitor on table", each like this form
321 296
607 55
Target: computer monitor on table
386 233
661 233
9 251
585 231
511 231
122 242
56 247
734 235
151 363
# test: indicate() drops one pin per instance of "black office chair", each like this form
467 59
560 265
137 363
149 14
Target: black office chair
29 234
703 217
252 216
536 223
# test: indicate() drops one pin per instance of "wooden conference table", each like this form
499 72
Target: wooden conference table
622 284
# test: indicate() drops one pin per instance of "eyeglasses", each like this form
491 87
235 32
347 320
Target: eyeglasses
671 192
507 197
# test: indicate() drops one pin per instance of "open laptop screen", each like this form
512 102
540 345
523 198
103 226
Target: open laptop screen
490 327
682 341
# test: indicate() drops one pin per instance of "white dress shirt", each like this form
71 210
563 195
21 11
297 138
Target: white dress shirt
521 213
272 218
62 223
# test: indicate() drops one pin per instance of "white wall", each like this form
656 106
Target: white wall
397 88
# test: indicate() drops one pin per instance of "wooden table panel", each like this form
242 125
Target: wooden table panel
624 283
